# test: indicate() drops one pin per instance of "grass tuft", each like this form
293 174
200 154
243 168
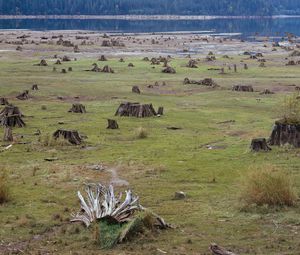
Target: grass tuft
141 133
4 186
268 185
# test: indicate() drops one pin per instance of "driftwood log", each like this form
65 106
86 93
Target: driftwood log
136 89
218 250
244 88
11 116
3 101
70 135
112 124
23 96
78 108
285 133
135 110
8 136
259 144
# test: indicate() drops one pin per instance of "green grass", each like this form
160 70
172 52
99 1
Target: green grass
156 167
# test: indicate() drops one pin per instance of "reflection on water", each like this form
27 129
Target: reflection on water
248 27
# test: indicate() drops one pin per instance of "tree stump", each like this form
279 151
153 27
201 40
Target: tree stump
70 69
107 69
192 64
244 88
235 68
285 133
34 87
259 144
8 136
66 59
160 111
78 108
42 63
70 135
169 70
102 58
112 124
245 66
11 116
58 62
222 71
135 110
23 96
3 101
136 89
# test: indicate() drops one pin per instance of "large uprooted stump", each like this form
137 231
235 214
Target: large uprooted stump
259 144
8 136
70 135
115 217
23 96
112 124
11 116
136 89
3 101
218 250
244 88
78 108
135 110
285 133
169 70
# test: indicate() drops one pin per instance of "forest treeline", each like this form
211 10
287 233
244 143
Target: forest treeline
176 7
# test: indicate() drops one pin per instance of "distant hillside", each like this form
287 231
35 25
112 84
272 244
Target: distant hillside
180 7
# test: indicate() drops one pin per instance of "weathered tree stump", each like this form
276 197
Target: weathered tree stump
130 65
70 69
23 96
8 136
136 89
34 87
266 92
135 110
218 250
155 61
146 59
78 108
11 116
259 144
107 69
160 111
58 62
121 60
245 66
235 68
112 124
70 135
66 59
169 70
192 64
63 70
102 58
285 133
42 63
244 88
3 101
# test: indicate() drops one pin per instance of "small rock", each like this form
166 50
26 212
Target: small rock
180 195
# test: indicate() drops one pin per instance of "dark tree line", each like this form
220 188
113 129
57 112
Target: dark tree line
183 7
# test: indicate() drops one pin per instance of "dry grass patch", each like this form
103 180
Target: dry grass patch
268 185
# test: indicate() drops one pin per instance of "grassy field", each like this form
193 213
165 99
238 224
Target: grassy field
43 194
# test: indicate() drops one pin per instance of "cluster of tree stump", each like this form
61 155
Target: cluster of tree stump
135 110
244 88
78 108
72 136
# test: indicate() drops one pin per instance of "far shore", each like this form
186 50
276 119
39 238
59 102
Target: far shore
141 17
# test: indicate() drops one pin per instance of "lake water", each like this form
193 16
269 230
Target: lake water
246 27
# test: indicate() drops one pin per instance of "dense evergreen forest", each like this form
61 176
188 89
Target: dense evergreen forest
182 7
